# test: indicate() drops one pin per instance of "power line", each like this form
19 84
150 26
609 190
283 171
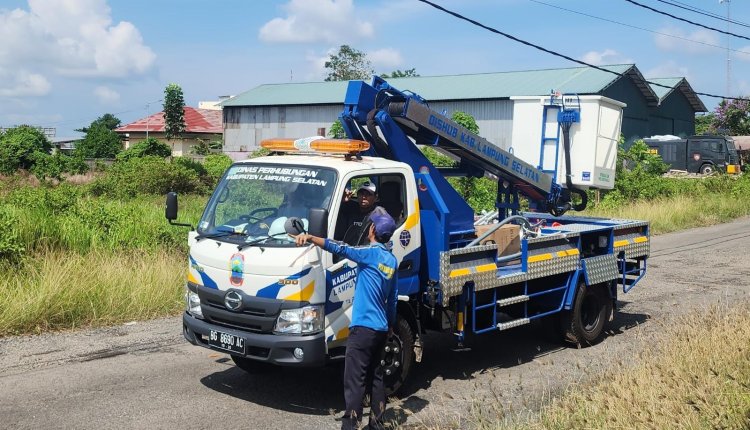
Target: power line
687 20
555 53
639 28
702 12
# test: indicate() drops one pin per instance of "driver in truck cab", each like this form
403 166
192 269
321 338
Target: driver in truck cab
351 227
373 317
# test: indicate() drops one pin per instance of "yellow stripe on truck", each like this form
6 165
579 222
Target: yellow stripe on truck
459 272
304 294
413 218
640 239
540 257
619 243
486 267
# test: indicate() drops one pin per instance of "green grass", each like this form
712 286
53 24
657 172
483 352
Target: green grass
680 212
63 290
70 221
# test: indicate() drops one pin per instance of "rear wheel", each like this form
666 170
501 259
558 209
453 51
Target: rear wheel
592 307
398 356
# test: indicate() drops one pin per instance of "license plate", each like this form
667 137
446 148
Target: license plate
227 342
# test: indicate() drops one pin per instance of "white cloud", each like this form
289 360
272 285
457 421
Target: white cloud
385 58
21 83
705 37
106 95
608 56
317 63
330 21
743 56
68 38
668 69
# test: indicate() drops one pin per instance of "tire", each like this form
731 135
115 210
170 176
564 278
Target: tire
585 323
707 169
252 366
398 357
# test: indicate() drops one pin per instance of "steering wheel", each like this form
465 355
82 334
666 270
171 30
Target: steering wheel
252 215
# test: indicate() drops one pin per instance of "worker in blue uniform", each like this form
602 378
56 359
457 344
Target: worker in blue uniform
373 317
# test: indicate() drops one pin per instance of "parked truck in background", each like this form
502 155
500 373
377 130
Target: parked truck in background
253 294
703 154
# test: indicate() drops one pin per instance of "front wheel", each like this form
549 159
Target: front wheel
584 324
398 356
707 169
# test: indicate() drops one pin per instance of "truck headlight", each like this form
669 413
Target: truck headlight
300 321
193 304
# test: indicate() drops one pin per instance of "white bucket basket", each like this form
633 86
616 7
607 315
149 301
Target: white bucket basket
593 140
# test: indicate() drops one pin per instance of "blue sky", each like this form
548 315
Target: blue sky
65 62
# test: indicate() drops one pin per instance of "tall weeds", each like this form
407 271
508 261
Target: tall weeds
60 290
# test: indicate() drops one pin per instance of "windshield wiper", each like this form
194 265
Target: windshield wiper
221 233
256 241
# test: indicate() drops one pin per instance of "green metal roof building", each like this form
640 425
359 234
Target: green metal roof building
304 109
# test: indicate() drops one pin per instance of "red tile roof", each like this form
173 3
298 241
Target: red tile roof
196 121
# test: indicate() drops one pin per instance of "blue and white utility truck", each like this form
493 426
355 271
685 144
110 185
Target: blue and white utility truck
253 294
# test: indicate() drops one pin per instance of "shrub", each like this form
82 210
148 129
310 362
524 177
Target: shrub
19 147
145 148
193 165
216 165
54 166
11 246
147 175
100 142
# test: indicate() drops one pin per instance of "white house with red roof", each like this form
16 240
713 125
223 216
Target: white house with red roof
200 124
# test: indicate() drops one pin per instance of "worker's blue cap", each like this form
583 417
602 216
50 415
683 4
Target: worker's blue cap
384 224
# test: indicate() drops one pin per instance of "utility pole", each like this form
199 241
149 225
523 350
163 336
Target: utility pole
729 58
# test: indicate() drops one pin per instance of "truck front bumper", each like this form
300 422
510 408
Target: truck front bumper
268 348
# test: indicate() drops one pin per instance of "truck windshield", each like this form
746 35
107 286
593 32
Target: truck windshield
730 147
252 202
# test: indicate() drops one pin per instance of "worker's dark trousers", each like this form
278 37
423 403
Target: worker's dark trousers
362 371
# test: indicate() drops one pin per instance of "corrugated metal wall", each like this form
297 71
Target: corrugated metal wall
245 127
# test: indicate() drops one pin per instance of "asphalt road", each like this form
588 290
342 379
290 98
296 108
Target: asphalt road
144 375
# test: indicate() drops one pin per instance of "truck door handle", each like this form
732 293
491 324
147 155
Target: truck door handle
404 266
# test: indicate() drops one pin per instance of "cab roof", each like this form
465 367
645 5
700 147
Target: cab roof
336 162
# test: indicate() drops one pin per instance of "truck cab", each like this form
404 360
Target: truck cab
252 292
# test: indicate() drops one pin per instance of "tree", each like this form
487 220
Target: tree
348 64
408 73
705 124
146 148
734 116
174 112
466 185
107 120
19 148
205 147
100 142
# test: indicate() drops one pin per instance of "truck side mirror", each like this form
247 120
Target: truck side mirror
171 208
317 222
170 212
